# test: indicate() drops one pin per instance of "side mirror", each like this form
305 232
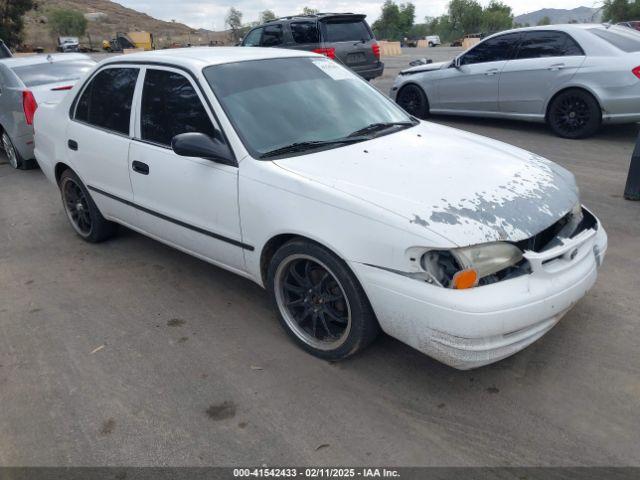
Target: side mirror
457 62
194 144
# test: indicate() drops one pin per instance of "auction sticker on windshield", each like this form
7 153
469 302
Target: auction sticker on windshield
332 69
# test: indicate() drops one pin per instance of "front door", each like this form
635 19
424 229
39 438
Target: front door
473 85
190 203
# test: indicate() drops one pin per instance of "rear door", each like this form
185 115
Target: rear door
98 139
351 38
272 36
545 61
473 86
304 34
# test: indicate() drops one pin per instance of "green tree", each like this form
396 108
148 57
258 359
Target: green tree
387 27
66 22
266 16
407 17
234 21
310 11
395 21
544 21
496 17
465 16
11 22
620 10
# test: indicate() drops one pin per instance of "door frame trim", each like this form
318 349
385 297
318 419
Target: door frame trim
180 223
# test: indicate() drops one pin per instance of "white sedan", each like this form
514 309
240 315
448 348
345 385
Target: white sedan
284 167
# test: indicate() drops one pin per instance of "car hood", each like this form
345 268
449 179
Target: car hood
467 188
425 68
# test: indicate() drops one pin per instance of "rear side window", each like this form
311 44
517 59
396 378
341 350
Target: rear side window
547 44
305 32
170 106
271 36
493 50
253 38
106 102
345 31
627 40
54 72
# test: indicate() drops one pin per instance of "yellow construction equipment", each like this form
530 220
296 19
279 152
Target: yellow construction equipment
123 41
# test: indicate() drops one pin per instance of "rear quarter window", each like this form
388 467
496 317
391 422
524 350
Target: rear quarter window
627 39
345 31
304 32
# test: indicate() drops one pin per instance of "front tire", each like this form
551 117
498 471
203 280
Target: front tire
320 303
82 212
574 114
413 100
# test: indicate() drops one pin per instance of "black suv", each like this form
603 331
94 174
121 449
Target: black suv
344 37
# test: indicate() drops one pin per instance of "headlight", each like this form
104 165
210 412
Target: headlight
465 267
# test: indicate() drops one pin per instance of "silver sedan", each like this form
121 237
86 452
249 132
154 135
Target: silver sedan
25 82
574 77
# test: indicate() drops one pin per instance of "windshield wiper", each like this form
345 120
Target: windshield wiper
310 145
376 127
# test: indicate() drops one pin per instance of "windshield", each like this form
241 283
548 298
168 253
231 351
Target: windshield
273 103
623 38
53 72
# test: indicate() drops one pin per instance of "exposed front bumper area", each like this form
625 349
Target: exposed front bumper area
471 328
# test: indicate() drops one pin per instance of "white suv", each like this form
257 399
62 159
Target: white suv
288 169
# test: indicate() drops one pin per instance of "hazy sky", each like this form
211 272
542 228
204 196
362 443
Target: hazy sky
209 14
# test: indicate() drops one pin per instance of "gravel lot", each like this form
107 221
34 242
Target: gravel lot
131 353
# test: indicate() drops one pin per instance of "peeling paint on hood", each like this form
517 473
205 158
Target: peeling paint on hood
467 188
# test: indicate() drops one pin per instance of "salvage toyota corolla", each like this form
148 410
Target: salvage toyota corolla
284 167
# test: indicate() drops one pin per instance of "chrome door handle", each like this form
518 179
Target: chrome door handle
493 71
557 66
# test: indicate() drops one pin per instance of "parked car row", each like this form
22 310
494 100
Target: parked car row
573 77
287 168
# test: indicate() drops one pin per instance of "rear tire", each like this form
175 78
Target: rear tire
574 114
413 100
82 212
320 302
14 157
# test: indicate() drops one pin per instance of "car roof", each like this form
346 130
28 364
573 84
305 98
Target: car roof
316 16
36 59
562 27
199 57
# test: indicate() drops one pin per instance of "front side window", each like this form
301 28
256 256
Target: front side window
547 44
345 30
170 106
305 32
625 39
492 50
253 38
274 103
53 72
106 101
272 36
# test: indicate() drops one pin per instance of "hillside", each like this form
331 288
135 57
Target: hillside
106 18
558 15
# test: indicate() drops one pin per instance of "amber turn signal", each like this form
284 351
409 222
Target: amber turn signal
465 279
